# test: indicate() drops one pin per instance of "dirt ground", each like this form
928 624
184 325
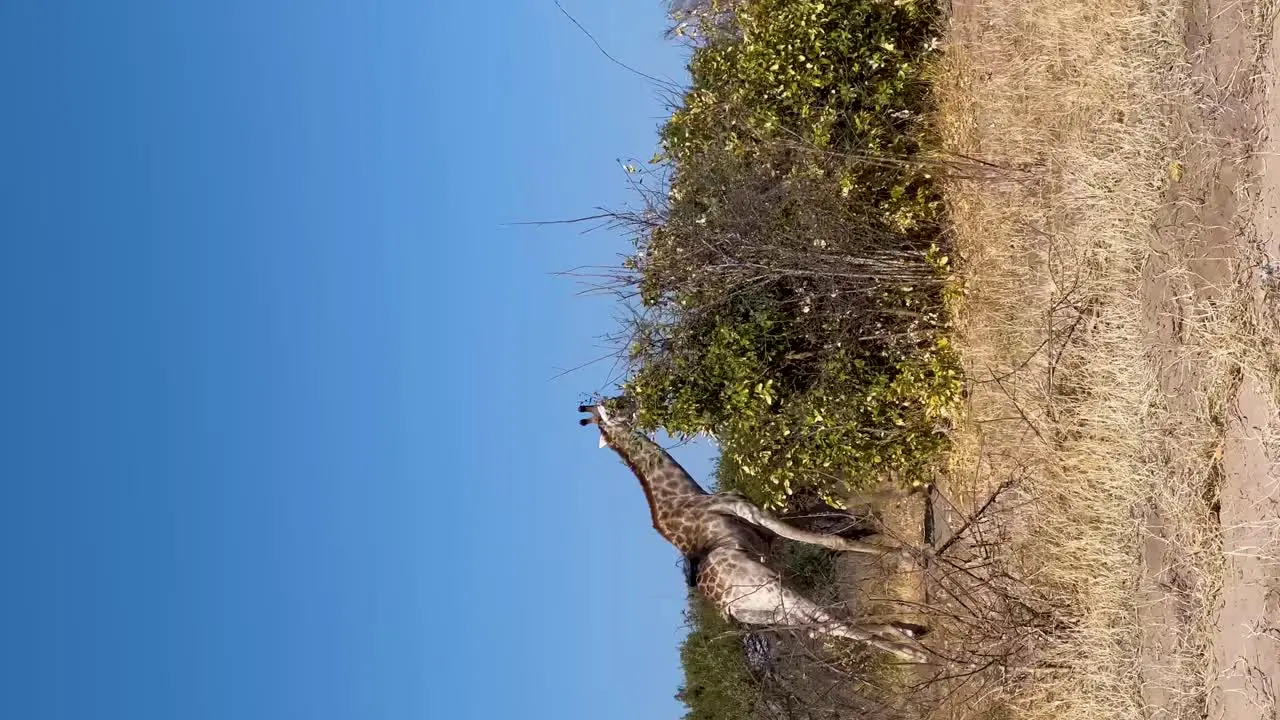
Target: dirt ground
1226 219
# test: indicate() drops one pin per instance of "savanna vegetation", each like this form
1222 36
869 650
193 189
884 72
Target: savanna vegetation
789 289
732 672
791 294
789 268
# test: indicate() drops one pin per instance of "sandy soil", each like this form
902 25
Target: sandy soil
1247 640
1225 227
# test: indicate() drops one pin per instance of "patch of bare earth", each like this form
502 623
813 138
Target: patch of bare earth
1246 641
1110 524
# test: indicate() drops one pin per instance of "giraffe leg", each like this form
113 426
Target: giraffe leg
735 505
898 632
751 593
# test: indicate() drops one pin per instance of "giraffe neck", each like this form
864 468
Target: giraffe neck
662 478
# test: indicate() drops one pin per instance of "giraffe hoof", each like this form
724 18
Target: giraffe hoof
912 630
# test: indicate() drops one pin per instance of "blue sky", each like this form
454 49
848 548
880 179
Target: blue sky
282 436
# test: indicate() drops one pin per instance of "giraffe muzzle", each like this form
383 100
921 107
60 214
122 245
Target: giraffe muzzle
598 414
597 418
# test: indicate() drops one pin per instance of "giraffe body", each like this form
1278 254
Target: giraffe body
724 540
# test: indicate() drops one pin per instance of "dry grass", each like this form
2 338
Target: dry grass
1101 359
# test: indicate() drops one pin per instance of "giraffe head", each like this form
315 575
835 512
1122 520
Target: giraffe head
613 416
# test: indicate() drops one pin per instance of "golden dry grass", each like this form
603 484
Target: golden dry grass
1100 355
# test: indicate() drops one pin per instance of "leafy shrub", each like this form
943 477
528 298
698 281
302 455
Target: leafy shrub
731 675
792 281
786 421
810 570
834 72
717 682
791 277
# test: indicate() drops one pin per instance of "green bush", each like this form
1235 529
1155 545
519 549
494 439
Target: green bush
834 73
792 278
826 421
717 682
810 570
844 76
793 281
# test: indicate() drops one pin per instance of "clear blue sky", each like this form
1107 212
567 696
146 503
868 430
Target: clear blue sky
281 437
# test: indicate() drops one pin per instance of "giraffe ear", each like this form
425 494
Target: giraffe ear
603 442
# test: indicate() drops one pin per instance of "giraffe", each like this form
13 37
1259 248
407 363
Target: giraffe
722 538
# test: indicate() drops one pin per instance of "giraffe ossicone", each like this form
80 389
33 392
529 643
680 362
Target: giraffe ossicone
724 538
